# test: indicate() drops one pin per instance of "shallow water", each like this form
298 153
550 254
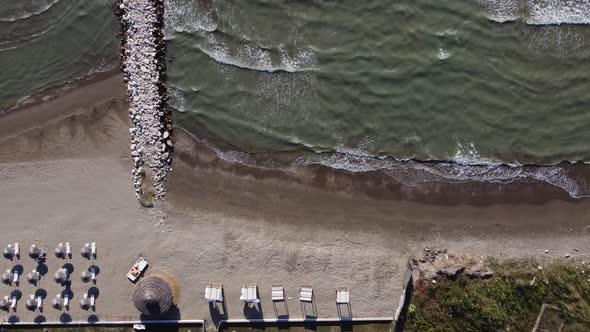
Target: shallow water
476 81
44 43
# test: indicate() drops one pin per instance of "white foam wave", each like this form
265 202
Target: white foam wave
538 12
443 54
22 13
189 16
248 56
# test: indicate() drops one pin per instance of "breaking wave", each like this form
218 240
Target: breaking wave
538 12
415 173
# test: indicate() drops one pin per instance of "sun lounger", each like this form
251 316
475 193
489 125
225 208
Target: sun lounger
39 302
15 276
342 295
17 250
250 293
67 301
214 293
306 293
93 248
92 301
69 249
278 292
13 302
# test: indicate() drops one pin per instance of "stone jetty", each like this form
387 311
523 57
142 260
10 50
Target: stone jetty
143 61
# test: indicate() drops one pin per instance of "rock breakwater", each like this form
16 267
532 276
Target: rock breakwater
143 62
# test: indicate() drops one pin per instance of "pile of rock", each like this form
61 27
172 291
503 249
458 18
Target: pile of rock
144 66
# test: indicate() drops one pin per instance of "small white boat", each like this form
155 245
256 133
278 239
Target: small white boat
137 269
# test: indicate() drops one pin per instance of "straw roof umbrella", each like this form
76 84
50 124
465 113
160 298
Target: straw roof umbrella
31 304
85 276
86 250
34 251
33 277
60 252
8 252
7 277
153 296
60 277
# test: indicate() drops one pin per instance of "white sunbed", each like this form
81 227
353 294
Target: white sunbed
278 292
92 301
306 293
69 249
342 295
15 276
67 301
39 302
93 249
17 250
214 293
250 294
13 303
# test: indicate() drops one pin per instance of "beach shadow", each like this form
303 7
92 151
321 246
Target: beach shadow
65 318
13 319
18 294
172 314
40 319
93 319
69 267
42 269
94 291
403 316
281 309
309 309
96 271
344 310
253 311
218 311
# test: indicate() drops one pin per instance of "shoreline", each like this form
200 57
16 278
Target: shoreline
373 183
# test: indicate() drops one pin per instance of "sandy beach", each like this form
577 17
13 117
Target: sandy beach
65 175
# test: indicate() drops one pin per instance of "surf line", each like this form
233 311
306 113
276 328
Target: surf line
143 62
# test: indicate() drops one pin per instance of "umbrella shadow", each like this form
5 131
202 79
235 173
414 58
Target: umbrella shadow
65 318
172 314
69 267
42 269
281 309
93 319
96 271
13 319
309 309
40 319
17 294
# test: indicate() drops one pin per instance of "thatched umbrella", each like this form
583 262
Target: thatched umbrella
85 303
7 277
60 252
86 251
33 277
8 252
60 276
86 276
31 304
34 251
153 296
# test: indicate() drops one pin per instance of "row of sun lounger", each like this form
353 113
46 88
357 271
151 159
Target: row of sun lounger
249 293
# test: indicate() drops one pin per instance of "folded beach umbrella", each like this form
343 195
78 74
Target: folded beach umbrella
34 251
31 304
8 253
7 277
60 276
4 304
60 252
33 277
85 303
56 303
153 296
86 250
86 276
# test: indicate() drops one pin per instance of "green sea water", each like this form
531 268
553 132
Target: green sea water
44 43
472 81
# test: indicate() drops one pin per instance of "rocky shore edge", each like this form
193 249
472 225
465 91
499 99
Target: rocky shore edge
143 63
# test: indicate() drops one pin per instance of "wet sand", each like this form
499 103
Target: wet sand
65 175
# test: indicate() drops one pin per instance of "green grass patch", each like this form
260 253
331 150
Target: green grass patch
510 301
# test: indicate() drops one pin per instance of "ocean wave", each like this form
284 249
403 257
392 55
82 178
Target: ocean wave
416 173
29 12
538 12
248 56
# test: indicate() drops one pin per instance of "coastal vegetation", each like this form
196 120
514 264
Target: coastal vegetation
511 300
